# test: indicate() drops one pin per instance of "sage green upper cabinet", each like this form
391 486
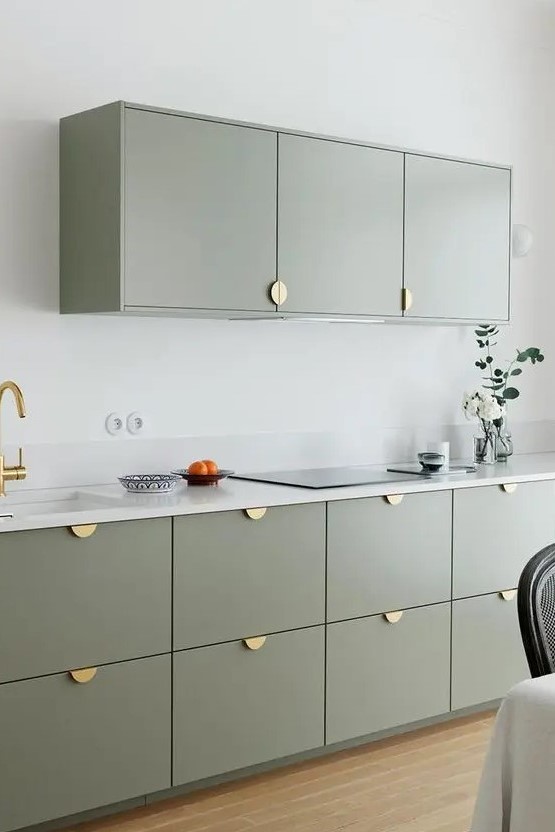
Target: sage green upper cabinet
174 213
457 234
165 212
340 227
200 216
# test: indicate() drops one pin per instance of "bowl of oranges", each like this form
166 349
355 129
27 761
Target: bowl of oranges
202 472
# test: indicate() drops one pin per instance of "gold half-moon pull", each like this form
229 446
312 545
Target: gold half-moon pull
83 531
255 643
509 487
394 616
406 299
393 499
507 594
255 513
84 675
278 292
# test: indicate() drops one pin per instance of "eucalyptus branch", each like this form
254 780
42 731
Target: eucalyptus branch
499 379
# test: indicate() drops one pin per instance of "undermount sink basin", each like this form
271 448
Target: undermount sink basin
38 507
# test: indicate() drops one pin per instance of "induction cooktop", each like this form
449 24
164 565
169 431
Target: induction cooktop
327 477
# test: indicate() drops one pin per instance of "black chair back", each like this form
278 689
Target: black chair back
536 611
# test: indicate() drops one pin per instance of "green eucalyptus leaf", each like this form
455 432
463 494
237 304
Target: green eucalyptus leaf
541 357
511 393
498 372
516 372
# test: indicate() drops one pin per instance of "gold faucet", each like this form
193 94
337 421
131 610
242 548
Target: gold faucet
15 472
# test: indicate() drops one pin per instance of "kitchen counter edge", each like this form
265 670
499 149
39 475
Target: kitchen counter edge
108 503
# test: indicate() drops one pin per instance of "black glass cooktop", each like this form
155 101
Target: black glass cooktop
327 477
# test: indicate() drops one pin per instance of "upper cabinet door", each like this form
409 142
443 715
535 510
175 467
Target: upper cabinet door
340 227
199 213
457 236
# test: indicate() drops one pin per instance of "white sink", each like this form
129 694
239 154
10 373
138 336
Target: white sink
39 507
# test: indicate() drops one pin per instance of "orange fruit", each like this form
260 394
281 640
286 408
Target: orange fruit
211 466
198 468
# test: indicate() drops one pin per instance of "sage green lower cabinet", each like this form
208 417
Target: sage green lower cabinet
234 707
236 577
69 747
68 602
488 656
496 532
380 675
388 557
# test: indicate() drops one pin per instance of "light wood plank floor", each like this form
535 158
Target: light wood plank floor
420 782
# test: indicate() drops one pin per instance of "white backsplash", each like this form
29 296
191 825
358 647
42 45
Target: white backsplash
95 463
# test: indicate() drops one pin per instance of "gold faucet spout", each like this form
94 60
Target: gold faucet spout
17 394
19 471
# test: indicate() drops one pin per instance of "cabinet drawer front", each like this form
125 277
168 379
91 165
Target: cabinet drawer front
380 674
69 602
236 577
495 533
488 657
235 707
384 557
69 747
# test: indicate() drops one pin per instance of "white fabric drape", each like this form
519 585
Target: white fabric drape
517 789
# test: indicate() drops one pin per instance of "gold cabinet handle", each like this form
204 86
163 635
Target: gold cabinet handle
84 675
83 531
278 292
255 513
406 299
509 487
254 643
507 594
394 616
393 499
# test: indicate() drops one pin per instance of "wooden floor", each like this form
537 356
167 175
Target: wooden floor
420 782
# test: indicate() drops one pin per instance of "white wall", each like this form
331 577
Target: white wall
471 78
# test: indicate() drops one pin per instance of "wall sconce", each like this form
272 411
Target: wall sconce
522 240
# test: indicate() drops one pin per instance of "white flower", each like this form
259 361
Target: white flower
484 405
470 405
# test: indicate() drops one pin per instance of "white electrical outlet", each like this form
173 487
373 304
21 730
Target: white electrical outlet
135 423
113 424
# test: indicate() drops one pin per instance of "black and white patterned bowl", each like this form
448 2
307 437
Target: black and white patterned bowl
151 483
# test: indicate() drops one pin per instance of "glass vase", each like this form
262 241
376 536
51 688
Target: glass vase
503 442
484 449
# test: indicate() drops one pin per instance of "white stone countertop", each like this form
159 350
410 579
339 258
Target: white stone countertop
47 508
